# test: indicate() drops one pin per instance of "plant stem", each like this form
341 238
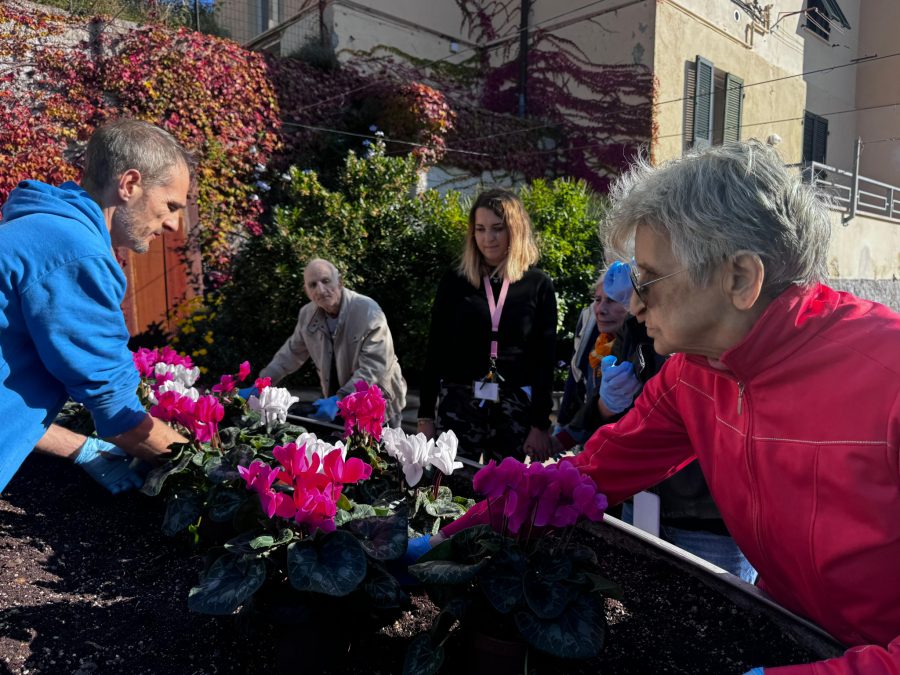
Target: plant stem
437 485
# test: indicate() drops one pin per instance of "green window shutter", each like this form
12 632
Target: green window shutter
815 138
703 104
734 106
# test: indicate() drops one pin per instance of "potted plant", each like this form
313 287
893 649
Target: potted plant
521 577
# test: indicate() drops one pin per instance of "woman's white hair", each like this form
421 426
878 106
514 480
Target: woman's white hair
730 198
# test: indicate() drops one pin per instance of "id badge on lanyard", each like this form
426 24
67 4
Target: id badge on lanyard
488 388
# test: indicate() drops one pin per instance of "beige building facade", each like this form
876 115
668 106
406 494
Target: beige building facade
802 74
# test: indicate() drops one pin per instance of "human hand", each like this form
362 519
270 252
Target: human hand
326 409
247 392
618 384
108 465
426 427
538 445
617 283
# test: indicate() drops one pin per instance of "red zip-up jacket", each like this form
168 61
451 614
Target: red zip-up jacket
799 439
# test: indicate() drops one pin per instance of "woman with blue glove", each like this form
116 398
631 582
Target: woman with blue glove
346 334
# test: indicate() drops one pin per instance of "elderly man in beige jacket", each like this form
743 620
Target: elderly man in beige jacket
347 336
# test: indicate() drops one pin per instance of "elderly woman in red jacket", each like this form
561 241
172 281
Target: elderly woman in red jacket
786 391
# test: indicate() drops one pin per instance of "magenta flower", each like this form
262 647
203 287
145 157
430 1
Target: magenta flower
262 382
243 371
208 412
493 480
258 476
173 407
344 472
227 384
363 410
144 360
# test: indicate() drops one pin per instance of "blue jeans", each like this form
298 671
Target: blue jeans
718 549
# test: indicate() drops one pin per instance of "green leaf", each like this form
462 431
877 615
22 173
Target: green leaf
333 564
446 571
182 509
423 657
223 503
382 587
228 437
444 508
155 479
383 538
230 581
578 633
501 580
218 470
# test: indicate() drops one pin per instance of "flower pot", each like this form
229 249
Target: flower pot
496 656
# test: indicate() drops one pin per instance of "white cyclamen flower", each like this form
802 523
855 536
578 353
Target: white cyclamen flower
412 452
182 375
176 386
443 454
316 446
272 404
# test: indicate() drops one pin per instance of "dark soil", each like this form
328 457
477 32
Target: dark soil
89 585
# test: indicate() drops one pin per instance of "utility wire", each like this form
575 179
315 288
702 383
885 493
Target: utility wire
681 133
853 62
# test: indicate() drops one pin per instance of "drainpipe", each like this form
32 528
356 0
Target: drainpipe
854 186
524 11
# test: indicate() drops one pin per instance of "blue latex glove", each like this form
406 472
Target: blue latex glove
326 409
755 671
108 465
617 283
247 392
416 548
618 384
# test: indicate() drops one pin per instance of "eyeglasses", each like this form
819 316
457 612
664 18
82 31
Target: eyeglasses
640 288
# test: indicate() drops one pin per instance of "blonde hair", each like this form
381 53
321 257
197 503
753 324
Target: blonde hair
523 252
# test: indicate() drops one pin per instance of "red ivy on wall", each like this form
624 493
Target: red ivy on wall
209 93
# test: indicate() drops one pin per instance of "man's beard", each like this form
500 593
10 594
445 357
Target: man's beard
129 228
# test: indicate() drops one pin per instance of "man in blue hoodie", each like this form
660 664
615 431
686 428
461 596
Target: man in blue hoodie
62 333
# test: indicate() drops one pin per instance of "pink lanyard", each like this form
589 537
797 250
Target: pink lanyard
496 311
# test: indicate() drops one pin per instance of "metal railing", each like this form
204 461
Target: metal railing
855 194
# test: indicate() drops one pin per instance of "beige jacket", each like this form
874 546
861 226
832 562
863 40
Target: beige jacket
363 349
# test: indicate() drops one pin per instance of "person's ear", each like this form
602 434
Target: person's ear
129 185
744 276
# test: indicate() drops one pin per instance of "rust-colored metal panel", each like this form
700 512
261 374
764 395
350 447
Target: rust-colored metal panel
160 279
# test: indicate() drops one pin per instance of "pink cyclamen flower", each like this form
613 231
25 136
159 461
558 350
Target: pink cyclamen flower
363 410
493 480
258 476
227 384
243 371
343 471
208 412
144 360
262 382
171 406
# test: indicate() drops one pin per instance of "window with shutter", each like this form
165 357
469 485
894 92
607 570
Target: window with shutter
703 104
734 106
815 138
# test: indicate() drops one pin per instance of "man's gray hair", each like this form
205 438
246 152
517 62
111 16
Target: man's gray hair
730 198
127 144
327 263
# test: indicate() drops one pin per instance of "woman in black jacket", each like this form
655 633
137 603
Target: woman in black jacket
491 348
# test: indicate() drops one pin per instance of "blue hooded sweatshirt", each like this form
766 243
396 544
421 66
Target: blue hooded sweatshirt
62 332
